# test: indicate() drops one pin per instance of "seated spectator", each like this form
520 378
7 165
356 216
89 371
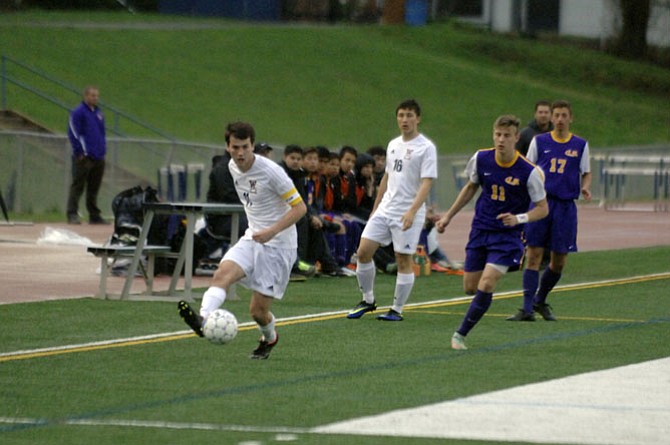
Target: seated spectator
328 197
346 203
292 164
263 149
345 198
315 162
378 153
439 262
312 244
366 189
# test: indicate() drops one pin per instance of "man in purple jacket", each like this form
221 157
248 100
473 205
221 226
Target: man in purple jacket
86 131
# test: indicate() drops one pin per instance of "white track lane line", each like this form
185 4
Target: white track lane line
629 405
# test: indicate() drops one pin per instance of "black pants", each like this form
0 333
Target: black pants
313 247
87 174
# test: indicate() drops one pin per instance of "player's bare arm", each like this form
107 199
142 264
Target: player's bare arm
421 196
466 194
296 212
380 192
586 185
538 212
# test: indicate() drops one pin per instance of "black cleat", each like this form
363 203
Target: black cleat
544 310
360 309
521 316
262 352
391 315
193 320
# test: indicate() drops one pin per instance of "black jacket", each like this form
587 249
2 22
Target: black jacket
527 135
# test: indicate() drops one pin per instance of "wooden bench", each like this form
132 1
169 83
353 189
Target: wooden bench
116 252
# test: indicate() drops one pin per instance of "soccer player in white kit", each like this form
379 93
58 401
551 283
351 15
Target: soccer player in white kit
399 211
262 259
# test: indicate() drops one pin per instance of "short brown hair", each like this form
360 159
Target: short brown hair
542 103
409 104
507 120
241 130
561 104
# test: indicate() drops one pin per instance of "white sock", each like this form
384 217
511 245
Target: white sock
365 274
212 299
268 331
403 287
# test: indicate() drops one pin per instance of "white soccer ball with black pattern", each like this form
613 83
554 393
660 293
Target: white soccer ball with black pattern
220 327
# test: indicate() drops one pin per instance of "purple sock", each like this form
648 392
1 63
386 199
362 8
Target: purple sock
531 278
547 283
478 307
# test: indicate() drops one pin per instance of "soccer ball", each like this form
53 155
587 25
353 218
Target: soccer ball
220 327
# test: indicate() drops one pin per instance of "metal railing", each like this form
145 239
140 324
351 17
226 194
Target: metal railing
36 169
14 72
35 172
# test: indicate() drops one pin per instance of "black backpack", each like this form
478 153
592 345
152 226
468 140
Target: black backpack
128 211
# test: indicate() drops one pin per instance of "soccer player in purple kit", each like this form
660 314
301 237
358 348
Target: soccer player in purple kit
508 182
564 158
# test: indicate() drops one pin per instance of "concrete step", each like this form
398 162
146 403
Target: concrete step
14 121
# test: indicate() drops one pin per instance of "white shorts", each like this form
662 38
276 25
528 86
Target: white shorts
267 269
384 230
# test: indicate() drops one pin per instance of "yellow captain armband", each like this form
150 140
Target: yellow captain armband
522 218
292 197
294 202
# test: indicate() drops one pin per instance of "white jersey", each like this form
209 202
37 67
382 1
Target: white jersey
267 194
407 163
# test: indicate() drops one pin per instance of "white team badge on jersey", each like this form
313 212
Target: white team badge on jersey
408 153
252 186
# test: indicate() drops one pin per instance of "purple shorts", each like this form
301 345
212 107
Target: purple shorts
558 231
502 248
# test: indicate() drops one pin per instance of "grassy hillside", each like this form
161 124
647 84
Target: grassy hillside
331 85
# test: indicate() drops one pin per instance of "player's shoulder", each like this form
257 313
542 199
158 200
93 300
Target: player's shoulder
483 156
270 170
485 152
578 139
265 164
543 137
525 160
424 141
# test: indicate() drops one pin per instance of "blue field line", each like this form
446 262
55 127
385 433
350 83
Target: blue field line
448 355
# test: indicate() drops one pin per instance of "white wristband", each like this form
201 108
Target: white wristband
522 218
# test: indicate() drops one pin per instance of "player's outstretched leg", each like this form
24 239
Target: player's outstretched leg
193 320
262 352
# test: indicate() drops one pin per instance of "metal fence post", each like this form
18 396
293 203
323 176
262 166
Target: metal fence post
4 82
18 202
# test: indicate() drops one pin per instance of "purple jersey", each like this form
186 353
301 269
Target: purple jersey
563 163
505 189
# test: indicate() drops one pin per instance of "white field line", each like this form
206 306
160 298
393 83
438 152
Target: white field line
157 424
248 325
628 405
